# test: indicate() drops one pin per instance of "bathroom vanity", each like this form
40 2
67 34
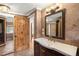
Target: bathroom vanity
54 31
45 47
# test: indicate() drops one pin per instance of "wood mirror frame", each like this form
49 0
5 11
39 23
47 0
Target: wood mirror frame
62 24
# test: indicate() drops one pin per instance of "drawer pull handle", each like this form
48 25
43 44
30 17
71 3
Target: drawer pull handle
42 50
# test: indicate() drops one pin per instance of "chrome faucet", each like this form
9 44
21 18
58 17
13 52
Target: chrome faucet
51 38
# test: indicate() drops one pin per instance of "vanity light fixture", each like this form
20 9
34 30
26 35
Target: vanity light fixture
52 10
4 8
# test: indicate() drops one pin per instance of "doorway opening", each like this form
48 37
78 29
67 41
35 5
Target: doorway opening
6 34
15 39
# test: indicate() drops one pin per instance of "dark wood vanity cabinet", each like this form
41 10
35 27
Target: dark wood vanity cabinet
36 49
40 50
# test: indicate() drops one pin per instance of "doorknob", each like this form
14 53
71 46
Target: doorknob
15 35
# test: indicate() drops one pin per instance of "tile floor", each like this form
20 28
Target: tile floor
22 53
8 48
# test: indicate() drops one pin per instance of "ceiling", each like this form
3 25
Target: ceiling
24 8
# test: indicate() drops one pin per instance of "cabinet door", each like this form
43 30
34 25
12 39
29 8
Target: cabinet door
36 49
21 33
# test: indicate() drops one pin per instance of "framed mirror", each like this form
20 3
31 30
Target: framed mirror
55 24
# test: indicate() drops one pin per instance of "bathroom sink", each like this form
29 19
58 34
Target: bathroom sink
61 47
45 42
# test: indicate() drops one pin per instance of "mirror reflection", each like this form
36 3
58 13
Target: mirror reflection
54 25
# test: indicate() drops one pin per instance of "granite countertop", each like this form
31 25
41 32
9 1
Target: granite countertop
63 48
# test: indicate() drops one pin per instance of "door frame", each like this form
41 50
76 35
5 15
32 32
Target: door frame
34 12
4 18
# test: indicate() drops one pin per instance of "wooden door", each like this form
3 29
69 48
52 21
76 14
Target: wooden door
21 33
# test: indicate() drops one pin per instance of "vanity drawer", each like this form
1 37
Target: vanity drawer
42 51
48 52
